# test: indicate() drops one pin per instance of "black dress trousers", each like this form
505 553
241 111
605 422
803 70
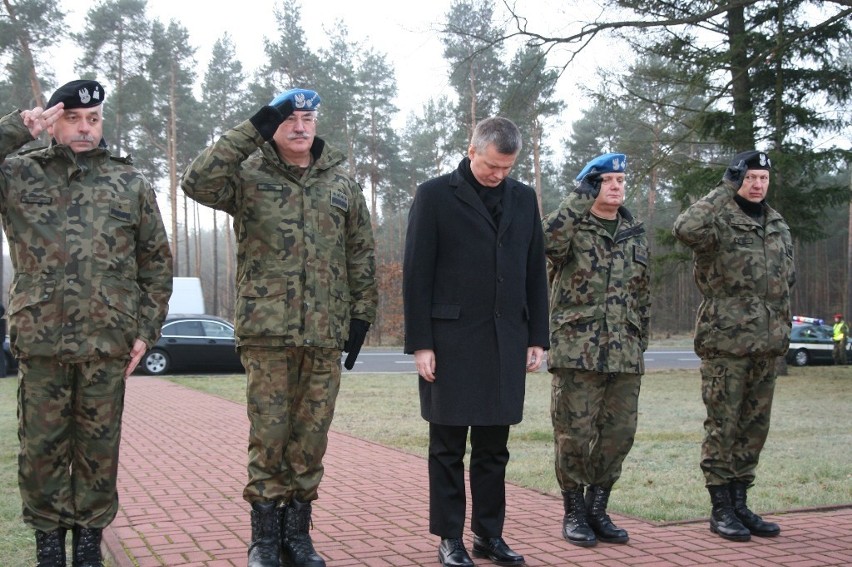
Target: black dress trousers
488 458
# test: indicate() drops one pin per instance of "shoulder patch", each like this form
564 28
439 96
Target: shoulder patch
340 200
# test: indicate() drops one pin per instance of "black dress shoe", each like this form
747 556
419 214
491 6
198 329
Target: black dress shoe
495 549
451 553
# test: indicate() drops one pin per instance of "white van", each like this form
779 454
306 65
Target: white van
187 296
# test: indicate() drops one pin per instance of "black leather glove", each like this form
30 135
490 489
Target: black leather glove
357 333
590 185
284 106
269 118
735 174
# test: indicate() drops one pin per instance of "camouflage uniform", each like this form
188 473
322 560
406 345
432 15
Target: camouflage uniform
599 314
305 266
744 269
92 274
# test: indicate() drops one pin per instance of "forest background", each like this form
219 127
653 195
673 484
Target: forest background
703 80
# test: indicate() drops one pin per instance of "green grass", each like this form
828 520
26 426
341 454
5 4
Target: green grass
806 461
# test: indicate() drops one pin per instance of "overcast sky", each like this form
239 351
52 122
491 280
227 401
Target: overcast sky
404 31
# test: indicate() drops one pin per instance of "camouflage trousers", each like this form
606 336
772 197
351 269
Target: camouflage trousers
594 424
291 394
69 427
737 393
838 354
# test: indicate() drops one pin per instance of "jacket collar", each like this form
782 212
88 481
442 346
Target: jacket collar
468 195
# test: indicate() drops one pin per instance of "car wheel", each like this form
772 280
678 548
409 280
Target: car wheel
155 362
801 358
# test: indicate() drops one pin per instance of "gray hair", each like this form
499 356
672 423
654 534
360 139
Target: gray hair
499 131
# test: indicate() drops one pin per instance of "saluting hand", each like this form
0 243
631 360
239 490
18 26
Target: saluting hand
38 119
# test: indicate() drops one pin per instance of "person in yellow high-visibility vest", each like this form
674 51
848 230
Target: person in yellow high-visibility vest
841 331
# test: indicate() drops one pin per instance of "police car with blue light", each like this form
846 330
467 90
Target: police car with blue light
812 342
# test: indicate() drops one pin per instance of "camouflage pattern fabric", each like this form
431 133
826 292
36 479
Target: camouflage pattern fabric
744 269
838 353
737 393
93 268
594 424
600 289
93 272
291 394
305 243
69 426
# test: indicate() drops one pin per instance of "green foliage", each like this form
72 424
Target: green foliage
223 94
115 44
474 53
754 75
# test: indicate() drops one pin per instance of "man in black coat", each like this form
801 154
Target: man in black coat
475 293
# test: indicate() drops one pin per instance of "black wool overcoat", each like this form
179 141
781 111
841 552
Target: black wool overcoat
476 294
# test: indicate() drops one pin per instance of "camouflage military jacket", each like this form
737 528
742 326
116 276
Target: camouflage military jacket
744 269
305 243
93 268
600 289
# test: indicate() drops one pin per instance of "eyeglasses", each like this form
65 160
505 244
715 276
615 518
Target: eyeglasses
306 118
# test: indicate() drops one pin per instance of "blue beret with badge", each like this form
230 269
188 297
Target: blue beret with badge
78 94
301 99
606 163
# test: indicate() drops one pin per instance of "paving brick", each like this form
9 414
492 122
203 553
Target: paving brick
183 467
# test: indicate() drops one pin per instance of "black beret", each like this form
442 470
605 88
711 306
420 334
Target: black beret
753 159
78 94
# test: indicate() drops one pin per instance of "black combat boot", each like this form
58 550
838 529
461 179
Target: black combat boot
575 526
265 547
754 523
597 498
86 543
296 540
723 521
50 548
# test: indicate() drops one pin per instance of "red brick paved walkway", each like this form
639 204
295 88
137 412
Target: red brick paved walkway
182 473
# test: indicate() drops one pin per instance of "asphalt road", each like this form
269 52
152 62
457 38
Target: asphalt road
392 360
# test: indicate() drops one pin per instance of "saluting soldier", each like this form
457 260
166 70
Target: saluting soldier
743 266
599 317
93 276
306 289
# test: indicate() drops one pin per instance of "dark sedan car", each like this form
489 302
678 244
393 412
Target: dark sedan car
812 343
199 343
